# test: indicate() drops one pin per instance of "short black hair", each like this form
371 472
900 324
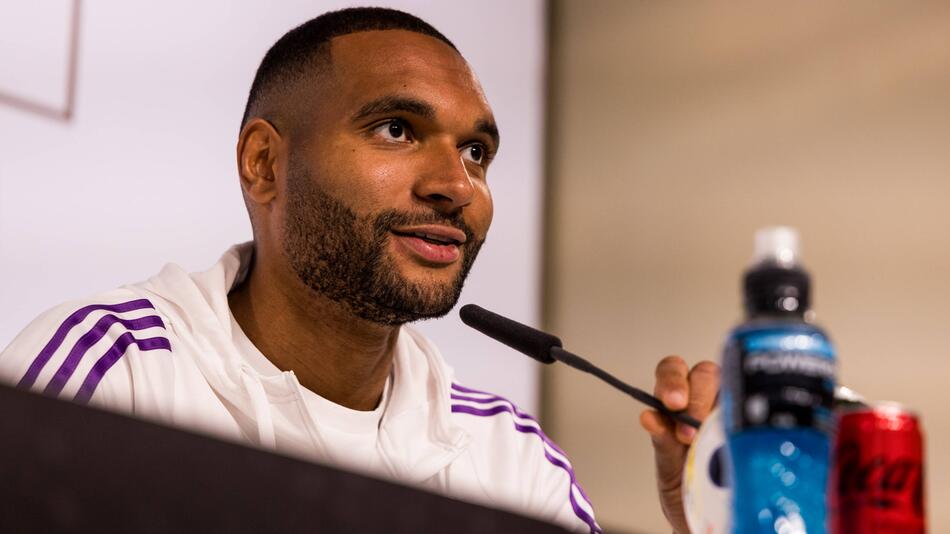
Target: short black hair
307 47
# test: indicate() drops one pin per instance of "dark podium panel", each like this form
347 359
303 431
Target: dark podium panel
68 468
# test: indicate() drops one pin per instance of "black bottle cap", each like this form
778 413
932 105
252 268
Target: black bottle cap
774 289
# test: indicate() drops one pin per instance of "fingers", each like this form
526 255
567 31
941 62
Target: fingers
659 427
680 388
672 388
672 385
703 389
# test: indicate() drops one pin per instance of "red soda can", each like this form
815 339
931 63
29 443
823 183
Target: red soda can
878 472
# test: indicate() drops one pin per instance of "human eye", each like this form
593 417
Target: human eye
476 153
393 130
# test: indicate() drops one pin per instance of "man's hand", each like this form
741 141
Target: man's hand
678 388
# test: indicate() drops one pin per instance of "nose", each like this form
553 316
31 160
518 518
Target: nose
444 182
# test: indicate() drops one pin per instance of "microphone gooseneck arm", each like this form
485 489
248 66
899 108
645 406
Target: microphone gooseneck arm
581 364
547 349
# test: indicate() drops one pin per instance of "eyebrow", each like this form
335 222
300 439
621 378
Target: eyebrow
391 104
488 128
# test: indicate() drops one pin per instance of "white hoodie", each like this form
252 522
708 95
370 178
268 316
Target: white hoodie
169 350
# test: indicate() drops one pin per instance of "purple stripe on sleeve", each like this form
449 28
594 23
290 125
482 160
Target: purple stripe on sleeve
494 410
89 339
111 356
529 429
75 318
491 398
495 398
544 437
581 513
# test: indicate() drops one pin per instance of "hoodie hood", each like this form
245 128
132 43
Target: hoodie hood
417 438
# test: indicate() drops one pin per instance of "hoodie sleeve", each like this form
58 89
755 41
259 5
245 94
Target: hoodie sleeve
79 350
566 501
518 466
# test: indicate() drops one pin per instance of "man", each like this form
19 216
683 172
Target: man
362 158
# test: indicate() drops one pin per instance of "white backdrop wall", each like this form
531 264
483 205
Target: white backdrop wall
144 172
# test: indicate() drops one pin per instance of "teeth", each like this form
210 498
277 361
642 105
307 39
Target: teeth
434 237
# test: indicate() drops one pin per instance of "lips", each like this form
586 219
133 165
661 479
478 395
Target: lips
432 244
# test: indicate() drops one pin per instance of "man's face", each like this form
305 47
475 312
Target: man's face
387 203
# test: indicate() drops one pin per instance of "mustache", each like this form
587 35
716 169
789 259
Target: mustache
390 219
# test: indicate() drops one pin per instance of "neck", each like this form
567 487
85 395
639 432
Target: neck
338 356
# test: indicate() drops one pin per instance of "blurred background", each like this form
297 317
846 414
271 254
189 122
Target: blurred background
675 131
643 144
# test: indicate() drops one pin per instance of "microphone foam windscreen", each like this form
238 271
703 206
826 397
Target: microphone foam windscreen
522 338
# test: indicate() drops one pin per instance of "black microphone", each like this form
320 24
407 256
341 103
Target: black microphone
521 337
547 349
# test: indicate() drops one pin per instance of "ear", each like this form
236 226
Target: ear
260 150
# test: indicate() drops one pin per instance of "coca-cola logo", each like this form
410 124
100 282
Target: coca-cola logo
880 481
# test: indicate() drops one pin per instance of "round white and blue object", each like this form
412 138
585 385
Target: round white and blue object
706 492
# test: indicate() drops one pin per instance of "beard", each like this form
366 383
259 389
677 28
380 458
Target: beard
342 255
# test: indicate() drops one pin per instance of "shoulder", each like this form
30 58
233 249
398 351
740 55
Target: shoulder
511 450
497 418
78 350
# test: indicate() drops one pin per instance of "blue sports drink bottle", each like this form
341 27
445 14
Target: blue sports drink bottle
778 387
